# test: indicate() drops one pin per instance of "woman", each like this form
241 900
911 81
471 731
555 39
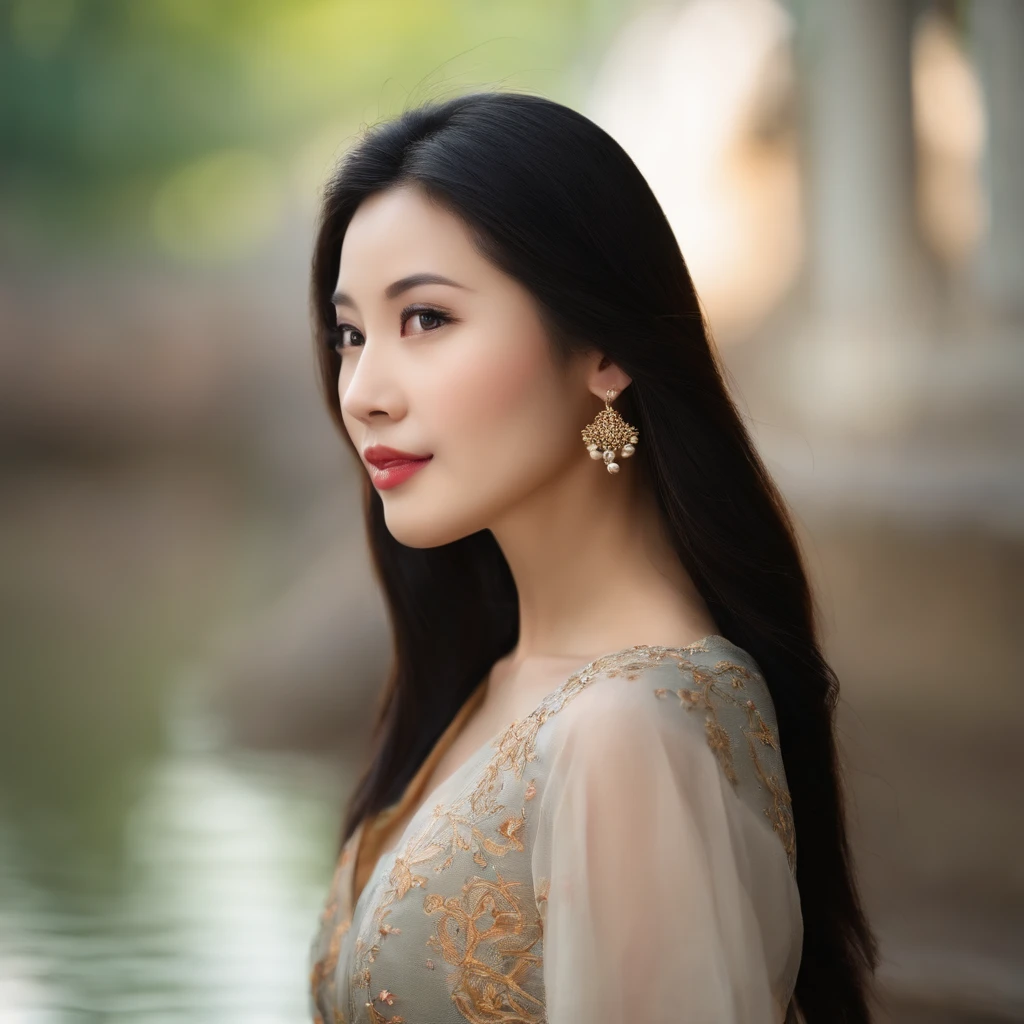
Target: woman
609 726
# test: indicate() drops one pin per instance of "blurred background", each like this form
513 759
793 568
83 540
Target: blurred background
188 660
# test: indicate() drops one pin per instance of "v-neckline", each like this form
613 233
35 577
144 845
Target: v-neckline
413 790
447 738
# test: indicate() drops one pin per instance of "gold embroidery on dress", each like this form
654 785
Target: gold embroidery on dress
488 916
401 879
362 979
714 684
323 968
463 818
514 750
479 824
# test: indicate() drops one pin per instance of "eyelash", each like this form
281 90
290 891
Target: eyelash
338 333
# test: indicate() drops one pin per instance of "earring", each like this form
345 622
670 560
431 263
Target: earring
608 433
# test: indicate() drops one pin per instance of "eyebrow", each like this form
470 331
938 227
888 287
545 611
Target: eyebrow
403 285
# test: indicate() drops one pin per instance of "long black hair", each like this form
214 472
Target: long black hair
553 201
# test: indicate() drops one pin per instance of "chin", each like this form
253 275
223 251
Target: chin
420 527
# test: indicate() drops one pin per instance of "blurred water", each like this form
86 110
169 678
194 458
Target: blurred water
199 905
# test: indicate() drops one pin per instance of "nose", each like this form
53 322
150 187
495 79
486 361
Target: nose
371 388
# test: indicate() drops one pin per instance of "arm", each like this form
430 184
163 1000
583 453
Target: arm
667 899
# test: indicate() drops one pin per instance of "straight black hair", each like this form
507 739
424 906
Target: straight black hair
553 201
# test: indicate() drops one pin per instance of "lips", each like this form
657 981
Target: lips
390 466
391 463
383 457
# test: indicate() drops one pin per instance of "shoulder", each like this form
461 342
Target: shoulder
704 681
694 703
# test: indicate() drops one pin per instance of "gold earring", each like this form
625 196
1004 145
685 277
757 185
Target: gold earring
608 433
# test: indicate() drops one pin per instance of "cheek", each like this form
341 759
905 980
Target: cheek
500 397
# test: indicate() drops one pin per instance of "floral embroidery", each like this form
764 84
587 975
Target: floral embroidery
362 979
514 750
712 690
324 967
488 934
488 917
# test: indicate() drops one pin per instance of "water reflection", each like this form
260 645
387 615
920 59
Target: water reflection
205 912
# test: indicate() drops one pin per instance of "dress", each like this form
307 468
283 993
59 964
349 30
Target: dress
624 853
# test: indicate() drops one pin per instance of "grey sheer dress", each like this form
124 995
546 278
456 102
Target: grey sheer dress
624 853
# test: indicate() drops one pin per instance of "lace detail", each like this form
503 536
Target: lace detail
323 968
459 826
481 932
713 689
487 934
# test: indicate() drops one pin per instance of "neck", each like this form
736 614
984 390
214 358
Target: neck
595 569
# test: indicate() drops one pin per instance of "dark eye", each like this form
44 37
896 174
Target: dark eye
341 339
429 318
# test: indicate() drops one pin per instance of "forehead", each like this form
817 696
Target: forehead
402 231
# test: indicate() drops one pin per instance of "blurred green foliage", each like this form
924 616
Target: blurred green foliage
108 102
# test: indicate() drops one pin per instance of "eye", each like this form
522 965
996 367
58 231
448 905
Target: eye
426 315
339 338
345 336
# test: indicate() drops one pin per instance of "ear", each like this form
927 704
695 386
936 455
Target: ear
605 376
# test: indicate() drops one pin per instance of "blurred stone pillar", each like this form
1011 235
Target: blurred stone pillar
859 152
897 395
856 361
997 41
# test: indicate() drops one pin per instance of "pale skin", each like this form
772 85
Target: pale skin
482 393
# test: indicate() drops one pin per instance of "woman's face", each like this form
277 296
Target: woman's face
460 370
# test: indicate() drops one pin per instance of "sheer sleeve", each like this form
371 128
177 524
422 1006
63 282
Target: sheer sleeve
665 892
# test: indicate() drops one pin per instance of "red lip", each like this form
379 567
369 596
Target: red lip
390 467
381 456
